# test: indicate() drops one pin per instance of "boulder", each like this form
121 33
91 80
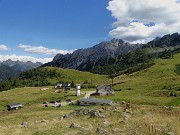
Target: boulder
105 122
84 111
101 130
74 125
24 124
95 113
116 130
170 133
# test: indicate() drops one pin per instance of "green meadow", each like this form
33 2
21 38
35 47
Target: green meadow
69 75
148 90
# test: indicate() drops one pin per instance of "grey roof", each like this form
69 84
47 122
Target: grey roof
95 100
105 88
15 105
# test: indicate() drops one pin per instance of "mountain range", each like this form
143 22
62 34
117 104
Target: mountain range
11 68
21 66
86 59
94 58
89 58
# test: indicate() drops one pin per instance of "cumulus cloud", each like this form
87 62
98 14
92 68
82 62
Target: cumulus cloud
137 20
43 50
3 48
14 57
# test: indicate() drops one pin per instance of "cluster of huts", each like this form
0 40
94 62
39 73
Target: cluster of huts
63 85
101 90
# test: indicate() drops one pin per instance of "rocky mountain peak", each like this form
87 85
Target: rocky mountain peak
86 59
165 41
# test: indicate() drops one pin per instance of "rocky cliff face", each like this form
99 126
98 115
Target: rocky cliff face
98 55
86 59
165 41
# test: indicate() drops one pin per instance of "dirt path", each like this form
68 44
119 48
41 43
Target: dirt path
87 95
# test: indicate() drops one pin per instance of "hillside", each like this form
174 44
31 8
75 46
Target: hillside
157 85
6 72
46 76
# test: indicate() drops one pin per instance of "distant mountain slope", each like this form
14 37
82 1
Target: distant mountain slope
87 59
11 68
6 72
21 66
45 76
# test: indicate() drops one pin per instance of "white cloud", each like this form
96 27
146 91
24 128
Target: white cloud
3 48
43 50
132 17
14 57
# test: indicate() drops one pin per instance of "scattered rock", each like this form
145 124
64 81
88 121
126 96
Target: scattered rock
122 122
115 108
24 124
169 107
106 122
101 130
86 130
43 121
127 116
62 118
45 102
74 125
123 102
95 113
88 125
170 133
84 111
44 88
101 110
116 130
66 116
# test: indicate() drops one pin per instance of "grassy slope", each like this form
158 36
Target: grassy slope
77 76
29 95
150 86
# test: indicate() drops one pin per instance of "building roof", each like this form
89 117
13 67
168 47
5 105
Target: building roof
104 88
15 105
95 100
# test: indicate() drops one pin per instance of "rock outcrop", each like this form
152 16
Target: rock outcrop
82 112
86 59
165 41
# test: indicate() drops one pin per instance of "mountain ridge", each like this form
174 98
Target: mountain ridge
11 68
19 65
88 58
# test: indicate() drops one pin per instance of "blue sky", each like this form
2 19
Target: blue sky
53 24
37 30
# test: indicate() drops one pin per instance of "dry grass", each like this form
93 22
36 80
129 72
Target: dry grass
144 120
